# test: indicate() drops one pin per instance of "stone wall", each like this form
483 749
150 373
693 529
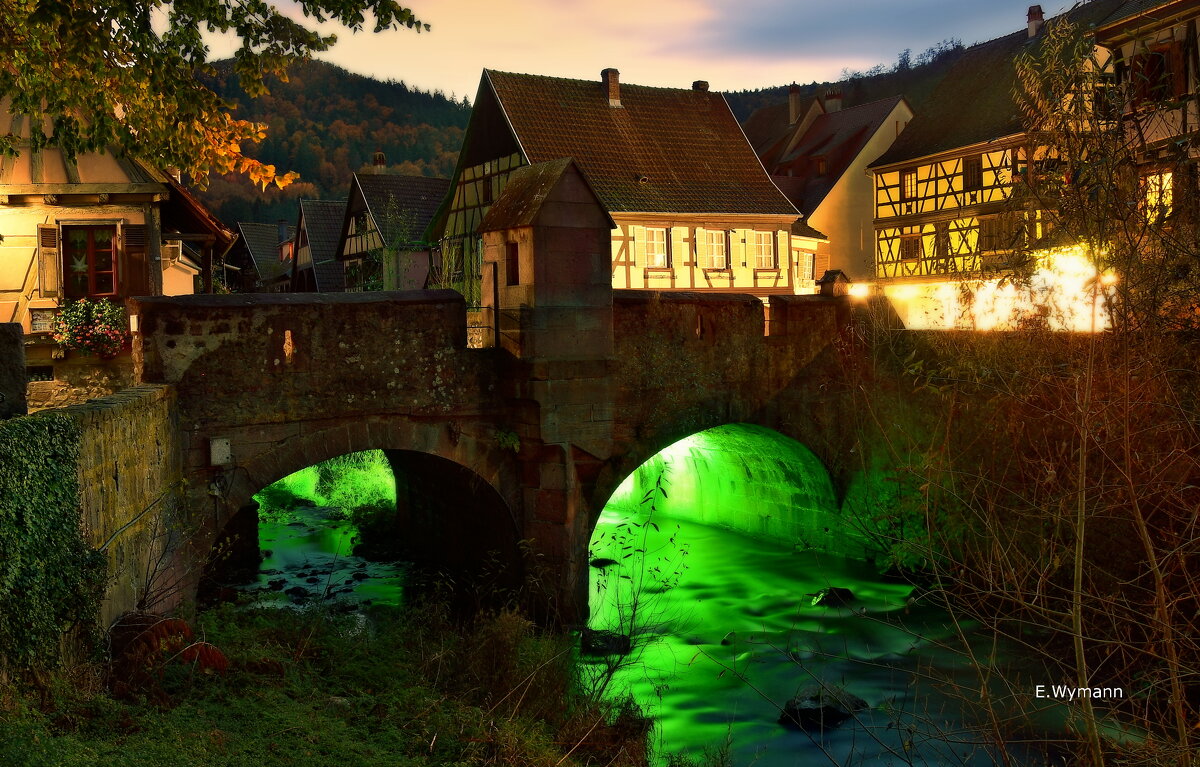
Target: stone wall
77 378
280 358
130 482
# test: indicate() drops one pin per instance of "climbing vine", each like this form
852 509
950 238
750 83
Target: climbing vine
50 579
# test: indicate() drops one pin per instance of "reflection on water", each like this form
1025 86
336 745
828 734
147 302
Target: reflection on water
307 558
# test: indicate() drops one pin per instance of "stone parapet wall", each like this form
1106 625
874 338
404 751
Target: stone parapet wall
130 484
278 358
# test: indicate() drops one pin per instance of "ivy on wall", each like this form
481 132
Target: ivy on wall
50 579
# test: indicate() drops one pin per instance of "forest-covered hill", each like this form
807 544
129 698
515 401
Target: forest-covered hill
326 123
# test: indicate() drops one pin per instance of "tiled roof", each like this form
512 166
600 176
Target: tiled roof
523 195
974 103
837 138
262 243
662 150
415 197
323 222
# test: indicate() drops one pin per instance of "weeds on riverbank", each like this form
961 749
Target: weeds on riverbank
389 687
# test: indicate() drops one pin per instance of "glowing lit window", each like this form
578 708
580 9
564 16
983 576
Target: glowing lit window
1157 194
908 185
714 251
764 250
656 248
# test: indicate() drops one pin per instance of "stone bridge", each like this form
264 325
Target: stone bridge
522 441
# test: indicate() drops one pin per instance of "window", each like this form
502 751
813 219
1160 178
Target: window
764 251
1157 75
656 249
714 252
89 261
908 185
999 233
972 173
512 264
1157 194
912 248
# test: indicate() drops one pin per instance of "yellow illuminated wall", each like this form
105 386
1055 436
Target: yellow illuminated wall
1064 292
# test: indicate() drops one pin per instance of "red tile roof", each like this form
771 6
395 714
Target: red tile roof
662 150
836 138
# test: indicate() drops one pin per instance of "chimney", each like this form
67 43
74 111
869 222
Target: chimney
833 101
613 85
700 85
281 226
793 104
1035 19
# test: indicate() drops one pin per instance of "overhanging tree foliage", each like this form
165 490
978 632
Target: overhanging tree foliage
122 75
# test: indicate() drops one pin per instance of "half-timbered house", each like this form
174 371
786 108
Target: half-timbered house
315 267
382 236
694 209
817 152
1155 49
96 226
945 222
262 258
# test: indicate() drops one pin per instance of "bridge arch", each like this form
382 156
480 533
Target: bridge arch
458 460
741 476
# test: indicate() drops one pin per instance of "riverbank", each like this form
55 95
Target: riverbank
310 688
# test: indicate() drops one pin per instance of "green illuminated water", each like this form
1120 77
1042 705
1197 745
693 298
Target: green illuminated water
714 575
307 536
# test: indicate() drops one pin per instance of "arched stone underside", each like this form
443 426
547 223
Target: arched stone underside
454 540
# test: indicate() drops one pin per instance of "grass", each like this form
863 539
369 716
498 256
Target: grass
346 482
394 687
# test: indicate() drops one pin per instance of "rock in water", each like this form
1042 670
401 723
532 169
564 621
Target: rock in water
834 596
819 709
603 643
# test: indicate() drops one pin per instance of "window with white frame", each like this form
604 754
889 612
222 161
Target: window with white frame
656 248
764 250
714 250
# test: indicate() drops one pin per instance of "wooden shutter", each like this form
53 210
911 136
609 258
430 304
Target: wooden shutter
137 270
1179 74
49 264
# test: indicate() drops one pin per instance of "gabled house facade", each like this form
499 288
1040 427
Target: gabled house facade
97 226
382 236
315 266
945 225
817 153
262 257
693 207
